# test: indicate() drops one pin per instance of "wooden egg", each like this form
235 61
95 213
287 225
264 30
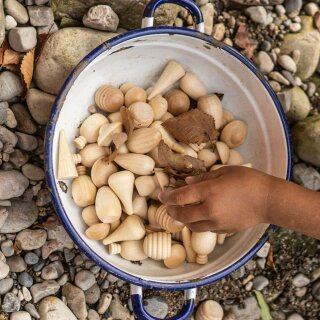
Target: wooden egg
133 95
221 238
89 128
140 206
98 231
152 216
227 117
161 178
188 151
166 116
178 102
172 73
89 216
131 228
223 151
139 164
186 240
159 106
157 245
125 87
203 243
144 140
177 258
166 222
114 248
192 86
208 157
101 171
109 98
132 250
91 153
145 185
83 191
106 132
80 142
234 133
115 117
211 105
235 158
142 114
108 206
122 184
209 310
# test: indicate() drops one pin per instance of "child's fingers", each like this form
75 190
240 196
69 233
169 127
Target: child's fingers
201 226
188 214
203 177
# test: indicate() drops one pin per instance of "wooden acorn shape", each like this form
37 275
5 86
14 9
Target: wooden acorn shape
209 310
89 216
152 216
208 157
108 206
145 185
144 140
159 106
223 151
211 105
235 158
221 238
122 184
131 228
135 94
83 191
227 117
178 102
203 243
90 154
115 117
186 240
98 231
106 132
234 133
66 165
166 116
188 151
140 206
114 248
109 98
166 222
157 245
101 171
192 86
142 114
125 87
177 258
139 164
171 74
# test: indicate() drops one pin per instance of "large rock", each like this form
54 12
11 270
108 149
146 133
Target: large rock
52 308
308 42
62 52
306 139
13 184
129 11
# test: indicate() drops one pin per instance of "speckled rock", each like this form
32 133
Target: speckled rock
60 234
40 16
3 216
31 239
13 184
10 86
75 300
156 306
104 303
5 285
101 17
20 315
2 23
52 271
92 294
10 303
4 269
117 310
251 310
52 308
44 289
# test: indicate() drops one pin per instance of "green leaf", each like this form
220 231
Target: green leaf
264 308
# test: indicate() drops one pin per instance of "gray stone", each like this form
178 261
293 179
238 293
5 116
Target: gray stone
258 14
92 294
7 137
21 216
315 274
2 23
295 27
293 7
10 303
287 63
60 234
39 265
101 17
11 121
31 239
49 247
16 264
156 307
208 13
40 105
311 8
25 122
260 282
13 184
48 29
10 86
316 290
52 308
250 311
20 315
29 307
41 2
7 248
295 316
4 106
52 271
26 142
112 279
264 63
26 294
75 300
62 52
16 10
10 22
93 315
31 258
3 216
300 280
117 310
44 289
239 273
277 315
5 285
40 16
25 279
18 158
23 39
306 176
43 198
85 279
277 76
104 303
33 172
306 139
285 98
4 269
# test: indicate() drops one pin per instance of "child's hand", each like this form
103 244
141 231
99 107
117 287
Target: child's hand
227 200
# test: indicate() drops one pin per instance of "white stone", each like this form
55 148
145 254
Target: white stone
52 308
10 22
4 270
23 39
263 252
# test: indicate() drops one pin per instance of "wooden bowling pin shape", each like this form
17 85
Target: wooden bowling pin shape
157 245
203 243
209 310
166 222
186 240
177 258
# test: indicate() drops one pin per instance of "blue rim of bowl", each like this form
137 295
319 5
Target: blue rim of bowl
52 181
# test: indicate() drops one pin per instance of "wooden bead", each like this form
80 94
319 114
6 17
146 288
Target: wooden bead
144 140
152 216
177 258
178 102
115 117
89 216
101 171
142 114
159 106
140 206
133 95
188 151
234 133
203 243
109 98
166 116
89 128
227 117
98 231
114 225
211 105
166 222
83 191
209 310
221 238
125 87
161 178
177 236
157 245
192 86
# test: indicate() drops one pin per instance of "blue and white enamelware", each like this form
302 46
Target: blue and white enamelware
139 57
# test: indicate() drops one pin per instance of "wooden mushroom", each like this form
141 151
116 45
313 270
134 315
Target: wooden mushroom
145 185
98 231
106 131
90 154
235 158
178 102
203 243
109 98
159 106
101 171
208 157
234 133
89 216
223 151
125 87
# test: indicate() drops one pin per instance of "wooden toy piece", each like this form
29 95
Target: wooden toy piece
80 142
177 258
235 158
203 243
221 238
123 149
166 222
89 216
211 105
186 240
98 231
106 132
136 163
227 117
177 236
132 250
209 310
172 73
145 185
157 245
109 98
159 106
108 206
76 158
198 147
155 156
133 95
131 228
155 194
122 184
83 190
223 151
153 224
115 117
161 178
142 114
192 86
125 87
178 102
66 165
166 116
114 248
90 154
140 206
188 151
234 133
114 225
208 157
101 171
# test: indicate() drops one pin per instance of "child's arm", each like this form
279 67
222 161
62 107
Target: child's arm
235 198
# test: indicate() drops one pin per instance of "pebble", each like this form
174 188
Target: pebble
31 239
301 292
31 258
275 75
44 289
288 75
8 138
264 251
295 316
117 310
4 269
208 14
112 279
156 307
26 294
40 16
4 106
218 31
316 290
20 315
101 17
5 284
287 63
85 279
11 121
39 265
25 122
311 8
300 280
63 279
10 86
3 216
23 39
16 10
48 29
13 185
280 10
32 310
33 172
275 85
264 63
7 248
260 282
293 7
43 198
258 14
93 315
266 46
315 274
60 234
10 303
52 271
10 22
295 27
26 142
277 315
92 294
250 311
300 105
16 264
49 247
68 254
311 89
25 279
249 286
41 2
306 176
104 303
53 308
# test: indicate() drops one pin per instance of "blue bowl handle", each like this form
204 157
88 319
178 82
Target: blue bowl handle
142 314
148 15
